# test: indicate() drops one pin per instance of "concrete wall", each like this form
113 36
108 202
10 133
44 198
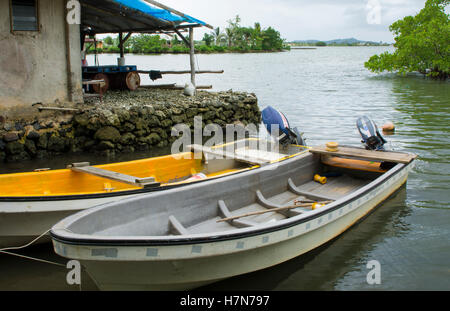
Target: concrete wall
33 65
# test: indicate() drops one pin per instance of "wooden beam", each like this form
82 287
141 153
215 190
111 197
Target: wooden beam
192 55
181 72
182 37
58 109
229 155
162 6
352 152
85 167
121 49
174 87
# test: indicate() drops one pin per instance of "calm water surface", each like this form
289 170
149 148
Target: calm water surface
322 92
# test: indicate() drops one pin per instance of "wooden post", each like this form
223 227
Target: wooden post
121 45
192 55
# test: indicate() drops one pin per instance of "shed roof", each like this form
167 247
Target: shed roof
113 16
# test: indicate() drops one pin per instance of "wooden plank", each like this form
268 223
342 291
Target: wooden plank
96 82
182 72
353 164
58 109
387 156
278 210
173 87
229 155
84 167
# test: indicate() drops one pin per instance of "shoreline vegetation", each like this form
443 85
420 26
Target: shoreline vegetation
422 44
234 39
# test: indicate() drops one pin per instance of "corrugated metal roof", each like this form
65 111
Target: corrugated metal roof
111 16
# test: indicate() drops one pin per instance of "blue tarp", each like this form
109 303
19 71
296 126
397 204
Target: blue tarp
146 8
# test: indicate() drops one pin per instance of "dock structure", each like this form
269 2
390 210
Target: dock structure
126 17
42 52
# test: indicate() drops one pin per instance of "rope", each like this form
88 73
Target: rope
35 259
26 245
5 251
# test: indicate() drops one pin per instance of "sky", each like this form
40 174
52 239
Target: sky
367 20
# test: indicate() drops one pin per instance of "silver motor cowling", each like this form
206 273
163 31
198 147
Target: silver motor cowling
371 137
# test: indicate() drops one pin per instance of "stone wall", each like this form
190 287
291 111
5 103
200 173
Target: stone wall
123 122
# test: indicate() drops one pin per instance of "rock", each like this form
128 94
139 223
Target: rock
14 148
189 89
105 145
43 141
88 144
36 126
128 149
176 111
209 115
179 119
30 146
18 157
19 126
153 121
160 114
107 133
151 139
10 137
42 154
128 127
166 123
8 126
56 143
82 119
127 139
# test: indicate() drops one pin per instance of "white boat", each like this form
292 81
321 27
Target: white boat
184 238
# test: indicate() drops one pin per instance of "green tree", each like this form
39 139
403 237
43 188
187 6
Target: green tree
218 36
272 40
422 43
208 39
108 40
321 43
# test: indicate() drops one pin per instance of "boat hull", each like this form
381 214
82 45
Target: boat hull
187 266
22 222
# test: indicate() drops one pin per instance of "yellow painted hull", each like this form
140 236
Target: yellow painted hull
167 170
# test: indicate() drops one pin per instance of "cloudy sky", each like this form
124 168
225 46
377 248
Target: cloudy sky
303 19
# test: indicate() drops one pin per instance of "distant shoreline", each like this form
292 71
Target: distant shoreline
196 52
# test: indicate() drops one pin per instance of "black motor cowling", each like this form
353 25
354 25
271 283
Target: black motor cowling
371 137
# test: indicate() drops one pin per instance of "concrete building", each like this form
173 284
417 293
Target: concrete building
40 52
40 58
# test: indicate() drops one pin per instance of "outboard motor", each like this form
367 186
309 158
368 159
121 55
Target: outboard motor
272 117
370 134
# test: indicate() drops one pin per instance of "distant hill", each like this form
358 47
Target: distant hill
347 41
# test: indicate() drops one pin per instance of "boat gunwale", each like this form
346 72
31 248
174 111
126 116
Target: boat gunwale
161 187
71 238
99 195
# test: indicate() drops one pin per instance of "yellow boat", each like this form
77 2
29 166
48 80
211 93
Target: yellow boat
32 202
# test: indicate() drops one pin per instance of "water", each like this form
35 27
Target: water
321 91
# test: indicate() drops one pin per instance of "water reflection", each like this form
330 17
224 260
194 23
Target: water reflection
322 268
